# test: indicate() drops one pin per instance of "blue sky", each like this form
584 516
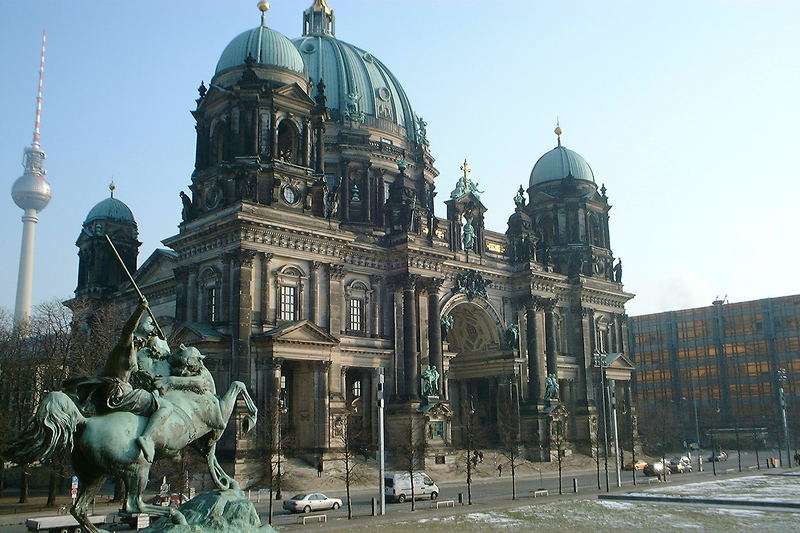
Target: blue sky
687 110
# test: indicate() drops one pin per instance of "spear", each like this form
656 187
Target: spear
136 287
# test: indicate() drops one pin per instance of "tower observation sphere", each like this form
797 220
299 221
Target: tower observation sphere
31 193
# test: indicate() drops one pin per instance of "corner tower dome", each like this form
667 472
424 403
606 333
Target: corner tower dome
265 45
559 163
353 76
111 209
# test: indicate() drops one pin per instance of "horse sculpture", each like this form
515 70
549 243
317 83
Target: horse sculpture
109 442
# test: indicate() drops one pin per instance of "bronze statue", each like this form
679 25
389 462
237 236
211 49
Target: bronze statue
112 428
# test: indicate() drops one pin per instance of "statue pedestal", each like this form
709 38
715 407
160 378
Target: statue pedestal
216 511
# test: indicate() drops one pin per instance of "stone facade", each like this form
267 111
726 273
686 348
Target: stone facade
310 256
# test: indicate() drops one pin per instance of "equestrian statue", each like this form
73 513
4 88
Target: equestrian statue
145 403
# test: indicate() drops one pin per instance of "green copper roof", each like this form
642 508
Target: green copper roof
267 46
111 209
559 163
346 70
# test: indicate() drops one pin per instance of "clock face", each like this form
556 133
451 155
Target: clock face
290 195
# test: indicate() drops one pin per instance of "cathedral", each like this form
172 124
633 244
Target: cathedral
310 265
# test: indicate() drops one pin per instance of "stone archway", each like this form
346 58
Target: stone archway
478 369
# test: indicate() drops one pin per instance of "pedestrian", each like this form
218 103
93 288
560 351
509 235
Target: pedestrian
480 456
499 470
797 458
319 468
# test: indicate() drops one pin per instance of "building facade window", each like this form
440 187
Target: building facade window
356 300
355 315
211 304
288 303
357 388
289 282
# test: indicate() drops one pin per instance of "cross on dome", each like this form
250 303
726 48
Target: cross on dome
465 168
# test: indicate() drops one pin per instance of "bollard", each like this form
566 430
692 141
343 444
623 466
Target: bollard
374 507
575 485
249 495
461 498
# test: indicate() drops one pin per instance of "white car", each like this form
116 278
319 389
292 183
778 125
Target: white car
312 501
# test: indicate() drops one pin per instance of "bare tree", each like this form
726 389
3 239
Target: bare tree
354 441
509 426
410 451
473 435
558 443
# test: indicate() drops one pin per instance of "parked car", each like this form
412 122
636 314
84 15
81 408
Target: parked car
679 466
397 487
638 465
313 501
658 468
721 455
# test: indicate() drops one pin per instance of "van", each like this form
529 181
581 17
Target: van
397 487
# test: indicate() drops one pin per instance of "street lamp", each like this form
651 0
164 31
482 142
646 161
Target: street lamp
782 377
696 431
598 361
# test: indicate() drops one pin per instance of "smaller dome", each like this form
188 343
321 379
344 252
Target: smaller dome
267 46
559 163
111 209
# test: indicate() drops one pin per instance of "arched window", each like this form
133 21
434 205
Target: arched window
357 297
288 142
208 289
289 288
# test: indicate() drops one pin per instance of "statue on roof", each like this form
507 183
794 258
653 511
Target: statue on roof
519 199
352 110
465 185
422 130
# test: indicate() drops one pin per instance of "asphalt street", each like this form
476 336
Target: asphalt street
488 493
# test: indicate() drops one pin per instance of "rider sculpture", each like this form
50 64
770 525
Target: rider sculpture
145 402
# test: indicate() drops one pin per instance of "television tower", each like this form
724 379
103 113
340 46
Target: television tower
31 193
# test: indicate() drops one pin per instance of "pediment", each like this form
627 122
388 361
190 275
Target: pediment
158 267
303 331
295 92
471 199
191 333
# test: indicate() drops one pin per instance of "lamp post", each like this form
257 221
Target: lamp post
599 362
782 377
696 431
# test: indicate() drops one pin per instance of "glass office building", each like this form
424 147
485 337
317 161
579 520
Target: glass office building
716 368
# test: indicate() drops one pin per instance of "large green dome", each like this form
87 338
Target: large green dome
266 46
111 209
559 163
349 70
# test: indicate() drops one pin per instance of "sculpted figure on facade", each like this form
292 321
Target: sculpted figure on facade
430 383
551 388
447 326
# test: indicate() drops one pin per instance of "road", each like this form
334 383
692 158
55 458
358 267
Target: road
492 491
499 489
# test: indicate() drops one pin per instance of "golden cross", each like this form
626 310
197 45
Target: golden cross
466 169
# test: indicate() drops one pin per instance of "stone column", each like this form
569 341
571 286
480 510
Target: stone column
410 354
242 319
536 377
191 295
306 142
181 293
273 132
587 345
336 298
267 307
550 335
321 396
375 328
274 400
435 330
315 292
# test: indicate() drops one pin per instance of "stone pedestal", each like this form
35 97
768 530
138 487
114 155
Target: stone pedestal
217 511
